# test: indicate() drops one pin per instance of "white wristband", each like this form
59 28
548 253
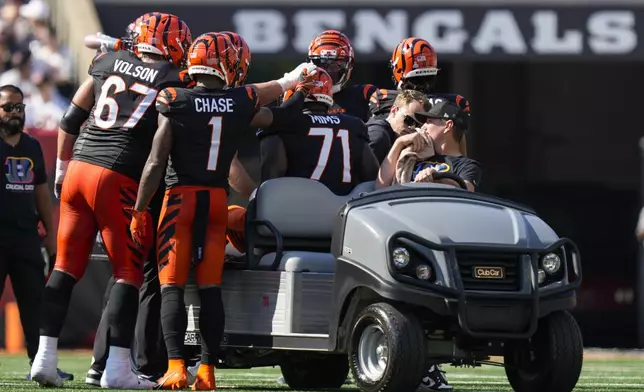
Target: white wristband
285 83
61 169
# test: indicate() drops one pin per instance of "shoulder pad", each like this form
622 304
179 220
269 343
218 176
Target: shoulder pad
186 79
100 63
368 90
460 100
170 100
252 96
381 101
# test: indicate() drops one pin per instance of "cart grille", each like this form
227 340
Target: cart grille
509 262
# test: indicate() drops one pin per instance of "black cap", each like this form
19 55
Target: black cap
446 110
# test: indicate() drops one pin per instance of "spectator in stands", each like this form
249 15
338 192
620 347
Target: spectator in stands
46 107
7 46
10 11
20 75
46 49
34 21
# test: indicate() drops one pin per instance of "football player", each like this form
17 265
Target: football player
148 349
323 146
200 130
330 148
414 67
99 170
331 50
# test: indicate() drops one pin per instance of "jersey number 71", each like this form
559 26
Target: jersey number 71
105 101
323 159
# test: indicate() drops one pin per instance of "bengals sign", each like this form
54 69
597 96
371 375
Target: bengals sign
475 32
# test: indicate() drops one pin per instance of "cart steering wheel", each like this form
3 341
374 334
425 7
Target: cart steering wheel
450 176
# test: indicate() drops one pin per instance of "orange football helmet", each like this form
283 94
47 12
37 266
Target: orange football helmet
322 90
243 51
163 34
213 54
414 65
332 51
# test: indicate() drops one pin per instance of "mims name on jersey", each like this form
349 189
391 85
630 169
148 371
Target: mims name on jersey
450 31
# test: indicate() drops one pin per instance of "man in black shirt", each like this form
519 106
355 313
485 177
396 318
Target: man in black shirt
445 123
25 198
384 131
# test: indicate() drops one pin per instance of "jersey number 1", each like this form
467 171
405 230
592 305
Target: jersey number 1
149 94
215 141
323 160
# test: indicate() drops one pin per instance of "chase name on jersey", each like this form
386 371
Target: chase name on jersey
137 71
214 105
317 119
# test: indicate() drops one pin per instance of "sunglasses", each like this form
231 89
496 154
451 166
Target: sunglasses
411 121
13 107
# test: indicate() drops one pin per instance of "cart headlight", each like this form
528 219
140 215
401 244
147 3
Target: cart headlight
541 276
401 257
423 272
551 263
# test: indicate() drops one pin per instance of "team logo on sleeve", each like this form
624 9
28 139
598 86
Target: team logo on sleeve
19 174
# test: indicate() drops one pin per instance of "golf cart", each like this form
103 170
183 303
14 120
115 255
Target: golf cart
387 282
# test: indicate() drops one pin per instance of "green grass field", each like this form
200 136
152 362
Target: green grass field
603 371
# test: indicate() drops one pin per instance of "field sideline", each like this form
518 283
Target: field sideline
604 370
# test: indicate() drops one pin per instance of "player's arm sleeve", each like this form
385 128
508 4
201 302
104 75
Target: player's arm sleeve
370 165
471 173
273 157
374 102
379 141
78 111
40 172
368 91
295 101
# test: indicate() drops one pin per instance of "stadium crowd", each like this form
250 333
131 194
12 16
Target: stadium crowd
32 59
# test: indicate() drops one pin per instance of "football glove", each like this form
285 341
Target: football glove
138 227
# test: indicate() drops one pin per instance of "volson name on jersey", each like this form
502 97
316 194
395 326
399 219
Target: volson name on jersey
137 71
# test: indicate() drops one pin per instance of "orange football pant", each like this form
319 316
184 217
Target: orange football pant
95 198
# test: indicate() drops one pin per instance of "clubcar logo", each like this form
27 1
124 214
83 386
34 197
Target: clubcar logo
489 272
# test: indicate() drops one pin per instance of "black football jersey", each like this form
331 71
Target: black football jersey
324 147
353 100
382 100
207 128
466 168
119 131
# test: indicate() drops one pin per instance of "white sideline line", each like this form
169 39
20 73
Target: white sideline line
502 377
474 381
246 375
580 384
